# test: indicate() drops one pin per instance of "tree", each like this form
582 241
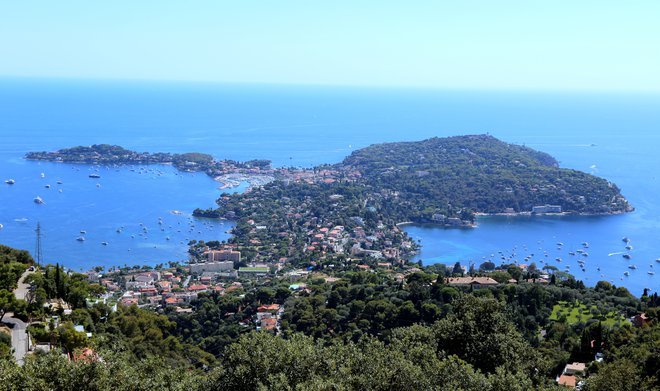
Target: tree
487 266
58 282
7 302
479 332
70 338
620 375
458 269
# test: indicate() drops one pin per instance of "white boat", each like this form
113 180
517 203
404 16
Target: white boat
80 239
651 272
1 226
627 256
585 244
43 175
47 186
625 239
94 176
104 243
632 267
626 273
10 181
629 247
38 200
82 231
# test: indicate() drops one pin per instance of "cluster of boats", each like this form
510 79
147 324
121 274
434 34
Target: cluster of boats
38 200
581 253
81 238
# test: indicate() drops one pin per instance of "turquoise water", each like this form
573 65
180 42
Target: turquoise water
304 126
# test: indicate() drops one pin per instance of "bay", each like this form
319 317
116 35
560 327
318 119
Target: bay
613 135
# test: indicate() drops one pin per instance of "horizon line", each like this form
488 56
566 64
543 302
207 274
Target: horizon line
210 82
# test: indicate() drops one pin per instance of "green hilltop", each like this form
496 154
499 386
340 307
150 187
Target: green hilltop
481 174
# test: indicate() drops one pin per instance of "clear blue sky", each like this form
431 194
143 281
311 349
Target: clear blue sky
500 44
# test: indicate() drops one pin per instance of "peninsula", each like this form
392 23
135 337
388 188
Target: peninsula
329 213
317 272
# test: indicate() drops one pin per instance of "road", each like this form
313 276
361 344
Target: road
22 288
19 337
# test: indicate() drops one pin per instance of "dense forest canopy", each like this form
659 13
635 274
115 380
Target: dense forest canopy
482 174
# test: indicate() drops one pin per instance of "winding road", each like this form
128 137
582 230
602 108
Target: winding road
19 336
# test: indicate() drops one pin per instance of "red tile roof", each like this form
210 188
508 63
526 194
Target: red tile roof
567 380
268 307
268 323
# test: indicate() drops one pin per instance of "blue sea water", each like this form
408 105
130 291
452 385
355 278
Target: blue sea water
615 136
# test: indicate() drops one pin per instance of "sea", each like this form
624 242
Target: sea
134 215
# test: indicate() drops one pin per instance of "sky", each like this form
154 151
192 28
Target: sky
467 44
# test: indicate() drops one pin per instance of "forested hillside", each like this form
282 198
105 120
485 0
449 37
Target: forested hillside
480 173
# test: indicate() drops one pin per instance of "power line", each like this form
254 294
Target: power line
38 254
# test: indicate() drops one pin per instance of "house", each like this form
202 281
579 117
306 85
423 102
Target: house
198 288
576 368
253 271
148 291
171 301
223 255
129 301
640 320
476 282
546 209
206 279
454 221
80 328
268 308
268 323
217 266
567 380
538 281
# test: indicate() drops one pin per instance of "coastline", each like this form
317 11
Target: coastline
233 180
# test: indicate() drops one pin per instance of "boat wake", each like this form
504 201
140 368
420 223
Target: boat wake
617 253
